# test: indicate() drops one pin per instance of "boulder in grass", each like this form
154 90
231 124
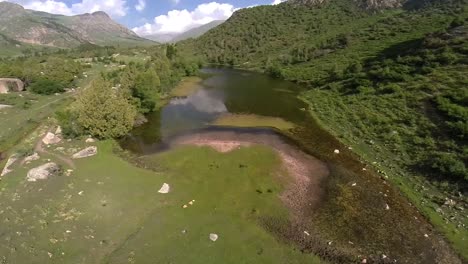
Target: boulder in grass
51 138
87 152
32 158
10 162
165 188
214 237
43 172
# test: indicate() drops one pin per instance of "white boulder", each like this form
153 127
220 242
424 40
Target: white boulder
87 152
51 138
165 188
31 158
42 172
10 161
213 237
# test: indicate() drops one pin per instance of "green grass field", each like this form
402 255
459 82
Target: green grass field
109 211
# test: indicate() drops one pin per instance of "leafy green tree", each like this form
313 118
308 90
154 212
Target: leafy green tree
103 112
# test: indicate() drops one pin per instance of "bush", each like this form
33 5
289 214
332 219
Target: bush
46 86
103 112
448 165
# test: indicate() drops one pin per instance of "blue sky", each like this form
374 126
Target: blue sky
147 17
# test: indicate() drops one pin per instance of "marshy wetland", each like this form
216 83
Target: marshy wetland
284 191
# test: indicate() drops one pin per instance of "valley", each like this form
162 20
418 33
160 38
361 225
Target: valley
300 132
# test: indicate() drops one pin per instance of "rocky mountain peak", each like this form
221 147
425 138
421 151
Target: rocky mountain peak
10 7
101 14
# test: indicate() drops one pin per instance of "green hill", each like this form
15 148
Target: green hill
39 28
386 77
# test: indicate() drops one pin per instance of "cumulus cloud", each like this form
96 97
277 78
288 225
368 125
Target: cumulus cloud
141 5
177 21
115 8
277 2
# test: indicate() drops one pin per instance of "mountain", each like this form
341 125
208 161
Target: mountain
198 31
162 37
40 28
191 33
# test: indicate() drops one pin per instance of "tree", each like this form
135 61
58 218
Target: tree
103 112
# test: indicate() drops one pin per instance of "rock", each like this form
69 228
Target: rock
31 158
87 152
164 189
58 131
387 207
43 172
13 158
191 202
450 203
337 151
90 140
51 138
185 206
354 184
213 237
426 235
364 261
306 233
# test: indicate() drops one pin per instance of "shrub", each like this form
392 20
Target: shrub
46 86
448 165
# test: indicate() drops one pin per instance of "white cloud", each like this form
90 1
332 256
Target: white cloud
177 21
277 2
141 5
175 2
115 8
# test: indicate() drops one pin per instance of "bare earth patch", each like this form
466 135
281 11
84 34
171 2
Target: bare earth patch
306 171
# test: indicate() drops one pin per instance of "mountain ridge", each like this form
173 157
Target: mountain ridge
45 29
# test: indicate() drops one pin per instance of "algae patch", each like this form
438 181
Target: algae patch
250 120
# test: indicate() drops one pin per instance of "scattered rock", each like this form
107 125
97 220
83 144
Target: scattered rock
165 188
213 237
307 233
87 152
191 202
387 207
364 169
337 151
426 235
43 172
81 193
13 158
364 261
58 131
354 184
185 206
51 138
450 202
90 140
68 173
31 158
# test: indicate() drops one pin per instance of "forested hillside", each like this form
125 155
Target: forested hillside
389 80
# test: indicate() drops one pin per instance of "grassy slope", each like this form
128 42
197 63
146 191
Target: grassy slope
120 213
257 45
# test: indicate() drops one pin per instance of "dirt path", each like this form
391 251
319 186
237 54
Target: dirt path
40 149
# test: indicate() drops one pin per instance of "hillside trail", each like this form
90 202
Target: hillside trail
39 147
